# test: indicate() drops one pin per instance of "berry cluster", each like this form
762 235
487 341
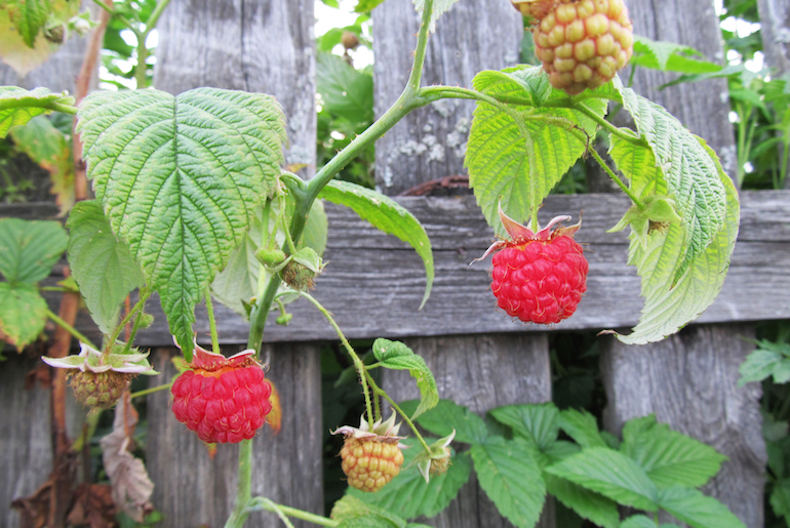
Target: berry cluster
370 463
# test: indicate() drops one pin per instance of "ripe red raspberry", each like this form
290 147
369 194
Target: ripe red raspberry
583 43
538 277
222 400
371 456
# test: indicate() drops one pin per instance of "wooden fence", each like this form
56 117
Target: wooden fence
374 283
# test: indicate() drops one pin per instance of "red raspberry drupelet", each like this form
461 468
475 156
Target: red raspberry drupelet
222 400
538 277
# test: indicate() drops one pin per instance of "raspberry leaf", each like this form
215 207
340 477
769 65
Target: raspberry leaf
582 427
697 510
179 179
23 312
671 303
611 474
29 17
387 215
352 512
536 423
670 56
507 472
102 266
643 521
586 503
397 356
410 495
18 106
29 249
669 457
518 154
691 175
770 359
447 417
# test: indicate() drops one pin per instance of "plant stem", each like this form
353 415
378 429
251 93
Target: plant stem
415 78
70 329
243 493
144 295
212 322
135 328
617 180
380 392
261 503
358 363
623 133
146 392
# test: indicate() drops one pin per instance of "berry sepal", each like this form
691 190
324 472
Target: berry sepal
90 360
383 431
436 460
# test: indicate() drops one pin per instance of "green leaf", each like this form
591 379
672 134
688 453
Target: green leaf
582 427
538 423
23 312
669 56
395 355
769 359
668 457
693 176
365 6
448 416
102 266
179 179
385 214
780 499
411 496
238 282
510 476
439 8
345 92
29 17
18 106
29 249
697 510
670 305
611 474
586 503
642 521
353 513
516 155
51 149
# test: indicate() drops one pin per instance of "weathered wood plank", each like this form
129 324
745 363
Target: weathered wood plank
387 277
194 490
430 143
775 31
689 380
478 371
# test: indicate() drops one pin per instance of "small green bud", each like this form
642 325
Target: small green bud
284 319
146 320
270 257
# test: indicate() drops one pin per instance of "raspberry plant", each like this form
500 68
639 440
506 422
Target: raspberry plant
190 193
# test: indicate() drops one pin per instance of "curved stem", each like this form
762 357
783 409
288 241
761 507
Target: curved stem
358 363
262 503
243 493
212 322
624 134
634 198
380 392
146 392
144 294
70 329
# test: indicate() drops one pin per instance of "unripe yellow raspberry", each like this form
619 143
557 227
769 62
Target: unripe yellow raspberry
583 43
370 463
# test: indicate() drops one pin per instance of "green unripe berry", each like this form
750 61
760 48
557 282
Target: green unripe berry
284 319
270 257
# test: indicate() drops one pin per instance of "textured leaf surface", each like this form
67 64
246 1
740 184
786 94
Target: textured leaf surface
668 308
409 494
668 457
385 214
518 155
642 521
611 474
353 513
18 106
582 427
586 503
29 249
693 177
697 510
179 179
448 416
395 355
770 359
538 423
23 312
510 476
345 91
51 149
102 266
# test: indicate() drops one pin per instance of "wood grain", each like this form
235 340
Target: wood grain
775 31
368 268
430 143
